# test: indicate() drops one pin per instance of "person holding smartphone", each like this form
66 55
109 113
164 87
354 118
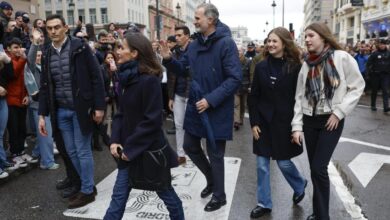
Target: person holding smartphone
328 89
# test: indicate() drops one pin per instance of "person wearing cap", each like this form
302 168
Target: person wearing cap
253 57
5 16
378 67
5 13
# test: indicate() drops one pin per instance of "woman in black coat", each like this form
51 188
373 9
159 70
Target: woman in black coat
271 109
137 125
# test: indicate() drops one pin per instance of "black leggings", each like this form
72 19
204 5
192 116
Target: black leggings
320 145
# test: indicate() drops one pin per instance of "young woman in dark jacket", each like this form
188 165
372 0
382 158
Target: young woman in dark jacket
137 125
271 109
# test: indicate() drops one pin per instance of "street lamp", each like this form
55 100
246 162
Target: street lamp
273 6
71 7
178 10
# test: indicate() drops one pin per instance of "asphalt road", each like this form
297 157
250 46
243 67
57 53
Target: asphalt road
31 194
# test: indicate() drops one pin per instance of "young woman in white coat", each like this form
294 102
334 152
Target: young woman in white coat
328 89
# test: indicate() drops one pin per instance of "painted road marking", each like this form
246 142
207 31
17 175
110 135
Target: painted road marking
345 195
188 182
366 165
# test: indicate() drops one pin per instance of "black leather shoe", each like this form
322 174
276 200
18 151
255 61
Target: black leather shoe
214 204
259 211
298 199
70 191
311 217
206 191
62 184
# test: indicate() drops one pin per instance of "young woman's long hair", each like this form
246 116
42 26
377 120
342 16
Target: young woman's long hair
291 52
323 30
147 59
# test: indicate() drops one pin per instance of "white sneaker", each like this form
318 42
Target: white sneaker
10 166
52 167
29 159
3 174
19 161
55 150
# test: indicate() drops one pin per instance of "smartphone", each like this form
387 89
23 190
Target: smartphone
119 151
81 19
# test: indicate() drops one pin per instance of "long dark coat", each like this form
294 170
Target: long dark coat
215 66
138 124
271 107
87 85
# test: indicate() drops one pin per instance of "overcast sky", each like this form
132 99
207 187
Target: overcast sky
254 13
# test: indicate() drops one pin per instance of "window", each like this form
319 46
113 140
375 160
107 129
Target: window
48 13
59 12
103 12
70 17
92 16
82 15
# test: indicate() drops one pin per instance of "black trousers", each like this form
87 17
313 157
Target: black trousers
214 168
380 80
71 172
320 145
17 128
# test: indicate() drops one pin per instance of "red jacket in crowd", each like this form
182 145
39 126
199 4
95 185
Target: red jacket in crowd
16 89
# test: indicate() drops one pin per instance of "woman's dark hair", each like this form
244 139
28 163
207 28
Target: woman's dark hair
323 30
90 32
147 59
113 55
291 52
35 22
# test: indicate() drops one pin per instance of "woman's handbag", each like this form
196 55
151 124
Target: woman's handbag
151 171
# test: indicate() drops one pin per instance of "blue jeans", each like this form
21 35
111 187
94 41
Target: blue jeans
78 147
3 125
290 173
121 193
44 145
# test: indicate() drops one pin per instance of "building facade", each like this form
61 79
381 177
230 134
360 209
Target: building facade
316 11
29 6
187 11
240 35
168 18
347 26
376 19
98 12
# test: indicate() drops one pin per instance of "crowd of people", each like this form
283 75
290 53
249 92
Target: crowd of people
77 87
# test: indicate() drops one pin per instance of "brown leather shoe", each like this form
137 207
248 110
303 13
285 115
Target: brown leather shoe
181 160
81 200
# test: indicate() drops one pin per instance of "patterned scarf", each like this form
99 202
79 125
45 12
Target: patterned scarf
313 82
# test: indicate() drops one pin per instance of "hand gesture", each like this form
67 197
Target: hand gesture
42 126
25 101
297 137
332 123
98 116
165 52
170 104
114 149
3 91
256 132
36 35
202 105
